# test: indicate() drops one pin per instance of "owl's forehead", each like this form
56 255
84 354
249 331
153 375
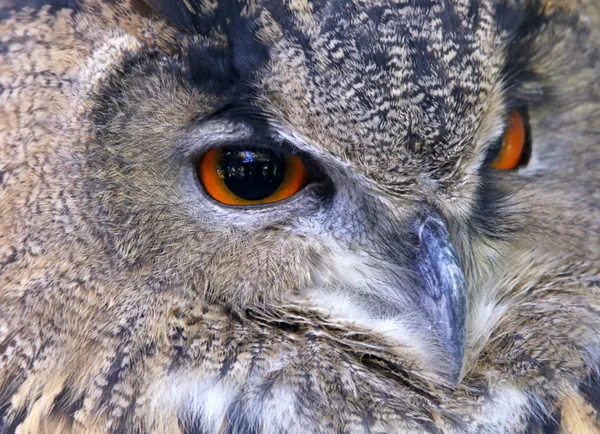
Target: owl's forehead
396 89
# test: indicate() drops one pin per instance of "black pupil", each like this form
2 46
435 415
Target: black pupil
252 173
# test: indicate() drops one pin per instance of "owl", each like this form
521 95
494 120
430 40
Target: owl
299 216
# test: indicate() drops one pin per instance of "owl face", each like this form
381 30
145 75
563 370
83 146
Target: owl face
383 120
390 188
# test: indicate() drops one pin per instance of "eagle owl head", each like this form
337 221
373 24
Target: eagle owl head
302 216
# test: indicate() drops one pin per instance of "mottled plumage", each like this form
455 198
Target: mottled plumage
131 302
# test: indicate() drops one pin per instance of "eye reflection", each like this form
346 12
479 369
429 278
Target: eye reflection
252 175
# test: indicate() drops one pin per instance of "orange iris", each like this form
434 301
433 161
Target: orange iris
513 143
259 176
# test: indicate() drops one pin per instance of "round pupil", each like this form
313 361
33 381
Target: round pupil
252 173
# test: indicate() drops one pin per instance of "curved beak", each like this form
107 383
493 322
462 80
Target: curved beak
443 298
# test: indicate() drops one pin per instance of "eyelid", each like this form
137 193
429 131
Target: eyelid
327 162
213 133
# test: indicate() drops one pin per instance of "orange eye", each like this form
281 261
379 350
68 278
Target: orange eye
512 151
251 175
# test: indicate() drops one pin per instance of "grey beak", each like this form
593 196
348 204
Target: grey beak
444 297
